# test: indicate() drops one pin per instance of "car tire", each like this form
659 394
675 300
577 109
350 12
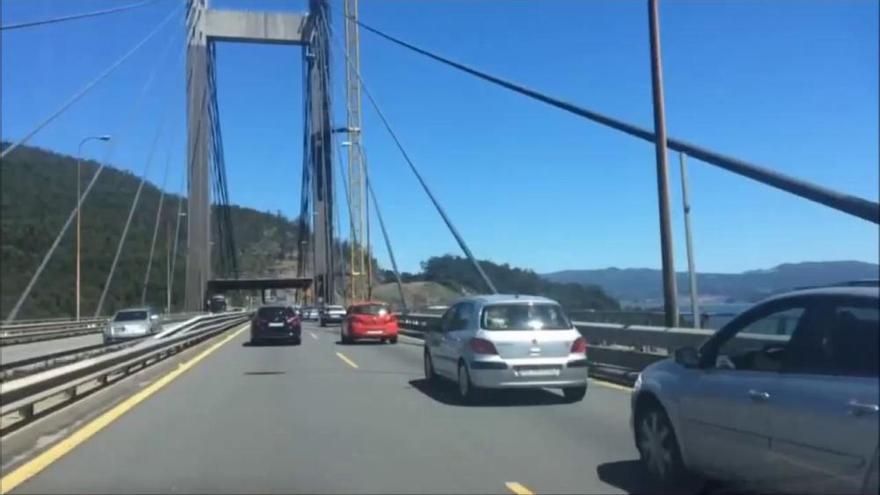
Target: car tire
467 392
297 341
658 447
428 365
321 323
344 338
574 394
393 340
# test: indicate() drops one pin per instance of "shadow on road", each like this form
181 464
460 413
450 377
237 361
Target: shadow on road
631 477
446 393
250 343
361 342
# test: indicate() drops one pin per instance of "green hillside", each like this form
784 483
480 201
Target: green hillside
37 190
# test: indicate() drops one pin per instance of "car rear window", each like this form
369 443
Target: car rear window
130 316
273 312
520 316
335 308
370 309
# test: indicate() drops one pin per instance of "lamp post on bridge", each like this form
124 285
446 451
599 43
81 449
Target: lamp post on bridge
104 137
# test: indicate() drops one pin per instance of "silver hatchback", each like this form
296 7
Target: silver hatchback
507 341
132 324
784 398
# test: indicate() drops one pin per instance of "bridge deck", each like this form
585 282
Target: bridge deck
300 419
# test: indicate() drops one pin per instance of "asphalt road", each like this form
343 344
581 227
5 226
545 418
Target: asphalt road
330 418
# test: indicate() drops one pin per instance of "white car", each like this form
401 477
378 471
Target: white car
501 341
331 314
134 323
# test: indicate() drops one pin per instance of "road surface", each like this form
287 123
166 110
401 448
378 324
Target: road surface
330 418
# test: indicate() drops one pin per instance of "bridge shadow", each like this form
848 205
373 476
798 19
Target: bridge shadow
445 392
630 476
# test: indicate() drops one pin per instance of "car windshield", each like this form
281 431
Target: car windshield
520 316
130 316
370 309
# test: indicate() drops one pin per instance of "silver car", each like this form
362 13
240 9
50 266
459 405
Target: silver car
132 324
331 314
502 341
784 398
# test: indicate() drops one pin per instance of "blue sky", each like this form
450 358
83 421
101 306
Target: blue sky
789 85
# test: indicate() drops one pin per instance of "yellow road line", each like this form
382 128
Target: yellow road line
517 488
45 459
347 361
615 386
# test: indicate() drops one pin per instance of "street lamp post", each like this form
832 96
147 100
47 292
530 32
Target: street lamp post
104 137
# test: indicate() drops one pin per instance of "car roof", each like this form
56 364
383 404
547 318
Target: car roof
133 309
506 299
830 291
368 303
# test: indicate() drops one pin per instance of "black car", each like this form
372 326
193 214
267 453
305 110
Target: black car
276 323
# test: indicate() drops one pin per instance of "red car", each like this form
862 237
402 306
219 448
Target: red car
369 320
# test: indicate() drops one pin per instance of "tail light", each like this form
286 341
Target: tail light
293 320
482 346
579 346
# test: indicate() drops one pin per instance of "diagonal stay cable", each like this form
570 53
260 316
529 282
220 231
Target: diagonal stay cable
156 228
88 87
853 205
421 180
134 203
72 17
128 121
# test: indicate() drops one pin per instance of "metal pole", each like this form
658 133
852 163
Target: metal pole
168 273
670 302
692 270
79 207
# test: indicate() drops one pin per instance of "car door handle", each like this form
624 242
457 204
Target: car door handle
857 408
759 396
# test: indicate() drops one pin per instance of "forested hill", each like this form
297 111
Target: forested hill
38 192
459 274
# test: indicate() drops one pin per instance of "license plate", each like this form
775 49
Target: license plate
276 325
547 372
374 331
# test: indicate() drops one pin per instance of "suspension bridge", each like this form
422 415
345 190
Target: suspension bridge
318 418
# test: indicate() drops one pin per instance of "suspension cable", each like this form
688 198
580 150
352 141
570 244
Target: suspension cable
853 205
129 120
177 222
9 27
85 89
421 180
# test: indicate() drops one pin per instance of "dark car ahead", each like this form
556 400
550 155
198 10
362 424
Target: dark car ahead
276 323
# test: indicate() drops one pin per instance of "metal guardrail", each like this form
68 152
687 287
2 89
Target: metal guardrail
35 332
620 349
68 383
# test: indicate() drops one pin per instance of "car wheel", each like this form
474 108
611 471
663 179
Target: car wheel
658 447
393 340
467 392
297 341
574 394
430 375
321 323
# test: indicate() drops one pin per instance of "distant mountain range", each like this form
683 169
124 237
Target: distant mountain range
645 284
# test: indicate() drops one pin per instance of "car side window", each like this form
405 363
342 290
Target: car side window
448 318
762 342
844 343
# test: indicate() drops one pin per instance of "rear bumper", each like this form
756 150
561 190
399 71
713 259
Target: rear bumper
285 334
125 336
373 332
497 373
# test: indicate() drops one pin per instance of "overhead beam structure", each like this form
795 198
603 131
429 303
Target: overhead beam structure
207 26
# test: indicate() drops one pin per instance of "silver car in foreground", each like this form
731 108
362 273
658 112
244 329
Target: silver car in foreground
784 398
132 324
501 341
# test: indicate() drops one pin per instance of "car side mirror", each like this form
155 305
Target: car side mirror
687 356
